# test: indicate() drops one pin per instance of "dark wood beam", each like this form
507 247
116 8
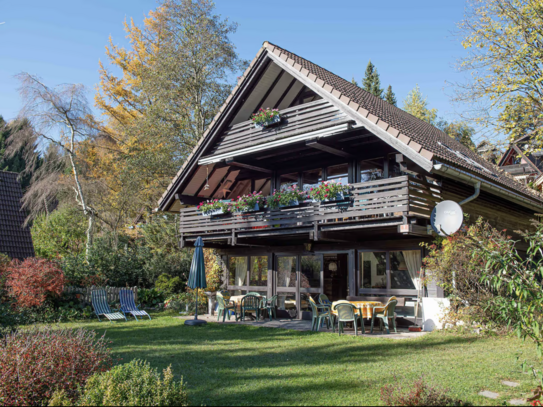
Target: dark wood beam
259 105
287 90
335 237
329 149
189 200
236 163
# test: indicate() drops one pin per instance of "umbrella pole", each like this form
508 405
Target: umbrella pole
196 314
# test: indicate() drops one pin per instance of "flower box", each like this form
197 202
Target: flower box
291 204
273 121
330 192
266 118
255 208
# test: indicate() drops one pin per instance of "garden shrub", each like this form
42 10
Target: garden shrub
169 285
34 363
133 384
33 281
417 393
150 298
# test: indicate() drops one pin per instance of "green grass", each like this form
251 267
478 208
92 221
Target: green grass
243 365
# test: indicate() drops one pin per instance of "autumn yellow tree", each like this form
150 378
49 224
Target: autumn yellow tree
174 77
504 41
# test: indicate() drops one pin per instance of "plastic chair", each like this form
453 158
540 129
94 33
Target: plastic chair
321 313
250 303
346 313
270 306
101 306
323 300
225 307
384 314
255 294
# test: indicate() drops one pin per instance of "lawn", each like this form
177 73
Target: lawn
242 365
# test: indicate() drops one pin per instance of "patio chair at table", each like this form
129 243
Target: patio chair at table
323 300
101 306
346 312
269 305
225 307
255 294
128 305
384 314
321 313
250 303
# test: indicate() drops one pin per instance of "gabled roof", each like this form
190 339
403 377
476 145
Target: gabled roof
15 238
419 140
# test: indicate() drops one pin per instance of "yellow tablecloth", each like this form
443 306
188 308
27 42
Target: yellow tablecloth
365 308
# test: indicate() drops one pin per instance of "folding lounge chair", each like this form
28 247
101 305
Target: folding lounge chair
101 307
128 306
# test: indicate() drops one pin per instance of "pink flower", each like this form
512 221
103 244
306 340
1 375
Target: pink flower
326 196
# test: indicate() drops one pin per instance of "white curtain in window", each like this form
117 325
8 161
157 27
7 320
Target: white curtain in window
413 262
241 271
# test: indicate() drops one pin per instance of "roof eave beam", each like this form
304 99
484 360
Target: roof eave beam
323 147
236 163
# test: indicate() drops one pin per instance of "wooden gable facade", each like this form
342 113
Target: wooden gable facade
398 167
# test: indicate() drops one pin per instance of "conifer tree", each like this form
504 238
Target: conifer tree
354 82
390 97
371 82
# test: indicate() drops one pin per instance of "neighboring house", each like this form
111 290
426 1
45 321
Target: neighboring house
489 151
15 238
399 168
523 166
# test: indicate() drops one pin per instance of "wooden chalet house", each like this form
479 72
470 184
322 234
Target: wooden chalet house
525 167
399 167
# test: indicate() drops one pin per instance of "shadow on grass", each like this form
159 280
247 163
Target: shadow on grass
233 364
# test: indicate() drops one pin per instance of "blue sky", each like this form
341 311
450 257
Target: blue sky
410 42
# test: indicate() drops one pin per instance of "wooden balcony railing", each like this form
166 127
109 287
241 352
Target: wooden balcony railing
296 120
373 200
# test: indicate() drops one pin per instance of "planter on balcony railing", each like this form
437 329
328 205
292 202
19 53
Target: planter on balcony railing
266 118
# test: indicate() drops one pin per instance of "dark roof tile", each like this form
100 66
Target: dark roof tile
15 239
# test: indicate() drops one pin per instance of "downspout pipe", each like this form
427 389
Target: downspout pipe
459 175
474 196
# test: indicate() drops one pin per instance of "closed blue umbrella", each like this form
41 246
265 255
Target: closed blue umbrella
197 277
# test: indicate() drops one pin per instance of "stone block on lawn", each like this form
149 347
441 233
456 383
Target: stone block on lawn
517 402
489 394
510 384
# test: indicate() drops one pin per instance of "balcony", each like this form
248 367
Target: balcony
373 204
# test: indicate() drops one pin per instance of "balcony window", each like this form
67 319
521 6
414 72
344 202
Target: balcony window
311 178
338 173
370 170
373 267
289 180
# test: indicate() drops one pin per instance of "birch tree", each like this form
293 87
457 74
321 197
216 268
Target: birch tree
59 117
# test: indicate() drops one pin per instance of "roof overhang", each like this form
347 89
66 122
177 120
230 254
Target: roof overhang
456 174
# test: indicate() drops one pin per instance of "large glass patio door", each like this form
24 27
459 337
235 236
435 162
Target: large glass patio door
296 277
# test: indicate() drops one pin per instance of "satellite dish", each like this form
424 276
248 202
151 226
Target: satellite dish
447 218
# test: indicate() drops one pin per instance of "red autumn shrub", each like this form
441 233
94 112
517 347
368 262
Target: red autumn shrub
417 393
35 363
33 280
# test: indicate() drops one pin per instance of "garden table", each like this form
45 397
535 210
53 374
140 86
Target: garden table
365 308
236 300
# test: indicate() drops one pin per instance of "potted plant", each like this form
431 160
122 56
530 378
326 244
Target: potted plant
250 203
290 196
330 191
266 117
214 207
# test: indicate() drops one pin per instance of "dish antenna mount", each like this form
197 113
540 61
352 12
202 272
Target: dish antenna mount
447 218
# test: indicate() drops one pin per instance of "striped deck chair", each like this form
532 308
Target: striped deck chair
128 306
101 307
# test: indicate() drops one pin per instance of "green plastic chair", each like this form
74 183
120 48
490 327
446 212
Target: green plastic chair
320 314
255 294
346 313
323 300
384 314
225 307
269 305
250 303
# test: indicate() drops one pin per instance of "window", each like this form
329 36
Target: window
259 271
311 178
311 272
373 267
286 272
394 270
370 170
338 173
237 273
289 180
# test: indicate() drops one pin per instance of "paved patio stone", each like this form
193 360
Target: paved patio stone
297 325
489 394
510 384
517 402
